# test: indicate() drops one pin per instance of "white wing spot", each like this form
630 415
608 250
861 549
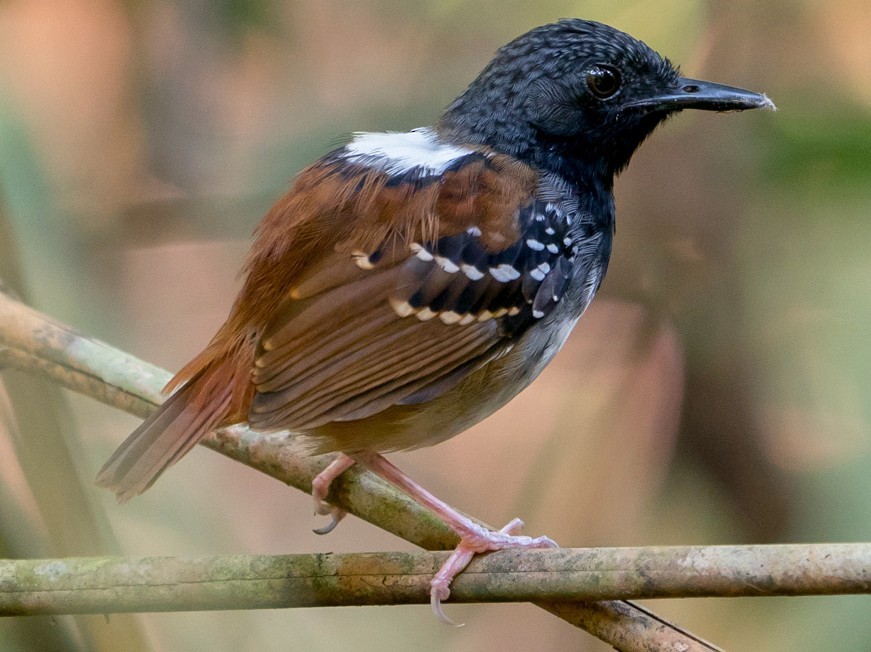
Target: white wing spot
450 317
402 308
361 258
472 272
420 252
425 314
504 273
534 244
447 264
540 272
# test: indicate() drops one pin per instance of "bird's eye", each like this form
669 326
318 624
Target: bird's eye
603 81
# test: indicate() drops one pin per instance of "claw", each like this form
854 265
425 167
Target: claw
337 515
320 489
436 603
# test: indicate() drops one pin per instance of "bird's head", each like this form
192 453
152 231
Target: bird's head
578 97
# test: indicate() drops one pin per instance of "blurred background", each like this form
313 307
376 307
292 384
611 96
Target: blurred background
717 392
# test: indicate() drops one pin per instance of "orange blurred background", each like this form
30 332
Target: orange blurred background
718 391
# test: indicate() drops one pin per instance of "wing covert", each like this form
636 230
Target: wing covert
401 318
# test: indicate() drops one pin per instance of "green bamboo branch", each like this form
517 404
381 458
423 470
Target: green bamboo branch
112 585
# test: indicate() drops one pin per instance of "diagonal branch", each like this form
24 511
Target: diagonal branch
35 342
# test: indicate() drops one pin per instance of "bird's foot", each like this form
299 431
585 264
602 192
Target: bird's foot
321 488
476 540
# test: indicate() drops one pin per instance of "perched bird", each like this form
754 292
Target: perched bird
410 284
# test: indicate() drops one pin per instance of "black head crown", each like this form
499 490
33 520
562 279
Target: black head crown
578 97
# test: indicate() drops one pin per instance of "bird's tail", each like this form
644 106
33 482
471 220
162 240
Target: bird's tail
164 437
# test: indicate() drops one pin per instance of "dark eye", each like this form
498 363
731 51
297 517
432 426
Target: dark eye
603 81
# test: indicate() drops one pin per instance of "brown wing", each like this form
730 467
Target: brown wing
345 343
402 316
363 291
346 354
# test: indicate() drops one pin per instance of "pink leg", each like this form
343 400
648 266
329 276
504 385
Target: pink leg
321 487
474 538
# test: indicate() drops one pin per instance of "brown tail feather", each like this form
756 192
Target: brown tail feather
160 441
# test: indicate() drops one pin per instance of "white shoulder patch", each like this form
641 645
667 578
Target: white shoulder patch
396 153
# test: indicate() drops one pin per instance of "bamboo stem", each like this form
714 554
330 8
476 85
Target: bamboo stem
112 585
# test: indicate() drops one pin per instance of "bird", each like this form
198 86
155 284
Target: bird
409 284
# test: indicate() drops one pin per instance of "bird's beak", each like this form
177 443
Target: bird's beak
708 96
